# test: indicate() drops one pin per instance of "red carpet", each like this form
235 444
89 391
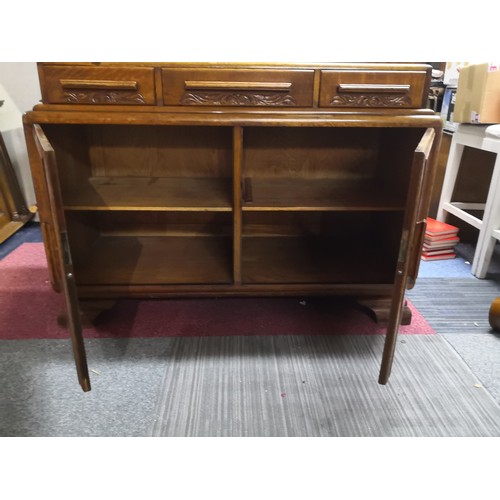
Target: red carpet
29 308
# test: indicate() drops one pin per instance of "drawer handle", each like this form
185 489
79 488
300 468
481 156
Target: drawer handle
99 84
215 85
378 88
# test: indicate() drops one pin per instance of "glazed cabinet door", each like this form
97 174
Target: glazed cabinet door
410 239
60 241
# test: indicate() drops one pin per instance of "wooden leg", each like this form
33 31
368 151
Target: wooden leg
380 307
90 311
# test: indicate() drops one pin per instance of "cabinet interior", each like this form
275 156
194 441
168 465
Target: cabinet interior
150 204
320 247
139 167
125 248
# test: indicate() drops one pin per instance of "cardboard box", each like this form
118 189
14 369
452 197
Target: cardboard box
452 72
478 94
448 109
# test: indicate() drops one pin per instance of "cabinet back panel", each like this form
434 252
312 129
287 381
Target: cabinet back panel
396 159
153 151
343 153
158 248
83 232
359 247
164 223
365 227
71 146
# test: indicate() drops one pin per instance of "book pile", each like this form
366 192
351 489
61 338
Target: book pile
440 240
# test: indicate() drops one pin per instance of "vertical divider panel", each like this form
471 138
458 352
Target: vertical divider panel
237 216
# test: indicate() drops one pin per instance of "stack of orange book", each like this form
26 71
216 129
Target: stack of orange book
440 240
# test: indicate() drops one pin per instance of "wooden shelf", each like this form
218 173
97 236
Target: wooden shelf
151 193
281 194
294 259
126 260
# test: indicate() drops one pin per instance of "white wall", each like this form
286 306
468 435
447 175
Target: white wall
20 91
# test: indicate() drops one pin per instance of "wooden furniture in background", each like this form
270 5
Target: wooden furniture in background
185 179
13 211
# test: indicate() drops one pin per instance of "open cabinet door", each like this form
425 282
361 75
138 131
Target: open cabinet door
430 150
410 240
60 240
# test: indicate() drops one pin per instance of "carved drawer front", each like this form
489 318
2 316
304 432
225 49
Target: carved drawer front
372 89
98 85
238 87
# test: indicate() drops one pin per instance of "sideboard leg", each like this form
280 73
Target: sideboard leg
380 308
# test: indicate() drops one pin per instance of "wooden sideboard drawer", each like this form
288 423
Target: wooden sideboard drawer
372 89
98 85
237 87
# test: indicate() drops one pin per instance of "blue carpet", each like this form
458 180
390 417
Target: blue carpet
461 266
29 233
453 268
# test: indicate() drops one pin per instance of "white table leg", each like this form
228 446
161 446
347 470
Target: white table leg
450 177
491 221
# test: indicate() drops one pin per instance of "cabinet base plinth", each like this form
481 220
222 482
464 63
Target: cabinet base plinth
379 308
90 312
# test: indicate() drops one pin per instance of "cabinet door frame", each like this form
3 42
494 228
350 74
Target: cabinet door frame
410 238
47 158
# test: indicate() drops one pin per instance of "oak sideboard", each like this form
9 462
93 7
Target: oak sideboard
158 180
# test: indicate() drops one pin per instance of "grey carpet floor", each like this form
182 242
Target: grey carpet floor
320 386
459 305
482 355
458 309
40 395
315 386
